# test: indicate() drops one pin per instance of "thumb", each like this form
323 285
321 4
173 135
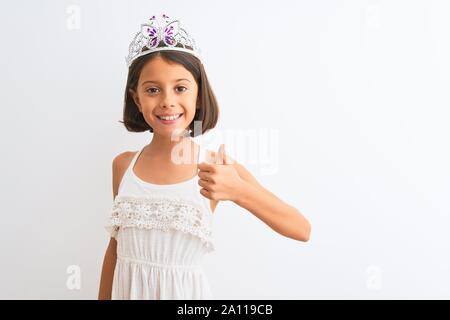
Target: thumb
222 155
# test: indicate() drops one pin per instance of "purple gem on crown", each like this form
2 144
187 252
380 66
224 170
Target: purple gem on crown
166 30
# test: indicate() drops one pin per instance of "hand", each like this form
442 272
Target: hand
220 180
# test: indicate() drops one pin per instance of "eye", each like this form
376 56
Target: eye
152 90
182 87
149 90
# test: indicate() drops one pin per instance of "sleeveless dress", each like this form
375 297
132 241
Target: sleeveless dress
162 233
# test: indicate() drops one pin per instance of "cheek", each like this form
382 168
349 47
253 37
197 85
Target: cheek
189 115
147 103
191 111
189 105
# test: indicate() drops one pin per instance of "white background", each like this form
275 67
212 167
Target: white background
357 91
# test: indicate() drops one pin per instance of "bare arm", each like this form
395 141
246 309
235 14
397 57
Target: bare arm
109 265
278 215
109 261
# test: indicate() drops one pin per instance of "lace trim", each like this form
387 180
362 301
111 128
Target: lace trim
163 213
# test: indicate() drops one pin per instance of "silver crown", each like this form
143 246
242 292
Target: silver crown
161 29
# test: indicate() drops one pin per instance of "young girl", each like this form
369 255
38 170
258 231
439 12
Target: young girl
165 194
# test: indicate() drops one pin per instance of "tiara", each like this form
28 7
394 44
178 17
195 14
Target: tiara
149 38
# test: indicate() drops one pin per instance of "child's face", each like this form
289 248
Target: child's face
166 95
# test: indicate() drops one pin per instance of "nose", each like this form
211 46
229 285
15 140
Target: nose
167 101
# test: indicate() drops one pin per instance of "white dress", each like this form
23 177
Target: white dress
162 233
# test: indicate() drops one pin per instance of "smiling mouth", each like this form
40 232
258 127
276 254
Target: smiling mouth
170 119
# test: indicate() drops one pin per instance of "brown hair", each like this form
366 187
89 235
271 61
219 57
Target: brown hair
207 108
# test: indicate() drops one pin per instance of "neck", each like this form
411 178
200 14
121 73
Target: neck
163 146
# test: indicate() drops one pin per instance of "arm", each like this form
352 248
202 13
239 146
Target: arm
109 264
109 261
234 182
278 215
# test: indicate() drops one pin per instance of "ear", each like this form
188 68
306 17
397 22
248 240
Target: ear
135 99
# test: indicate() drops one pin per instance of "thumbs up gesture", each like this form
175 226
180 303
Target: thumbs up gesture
220 180
223 158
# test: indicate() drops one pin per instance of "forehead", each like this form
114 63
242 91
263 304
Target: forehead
163 71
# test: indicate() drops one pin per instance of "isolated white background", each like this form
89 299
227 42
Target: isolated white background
357 91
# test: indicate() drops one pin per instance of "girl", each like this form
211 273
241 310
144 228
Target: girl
165 194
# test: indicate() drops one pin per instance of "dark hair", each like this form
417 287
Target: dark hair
207 109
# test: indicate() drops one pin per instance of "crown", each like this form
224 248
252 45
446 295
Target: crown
160 34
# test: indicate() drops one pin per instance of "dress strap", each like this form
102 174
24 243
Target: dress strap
133 161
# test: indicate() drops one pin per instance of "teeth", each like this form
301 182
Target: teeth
170 117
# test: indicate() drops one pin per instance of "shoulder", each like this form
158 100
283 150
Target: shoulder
123 159
120 164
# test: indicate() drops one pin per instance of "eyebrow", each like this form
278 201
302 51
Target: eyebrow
158 82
